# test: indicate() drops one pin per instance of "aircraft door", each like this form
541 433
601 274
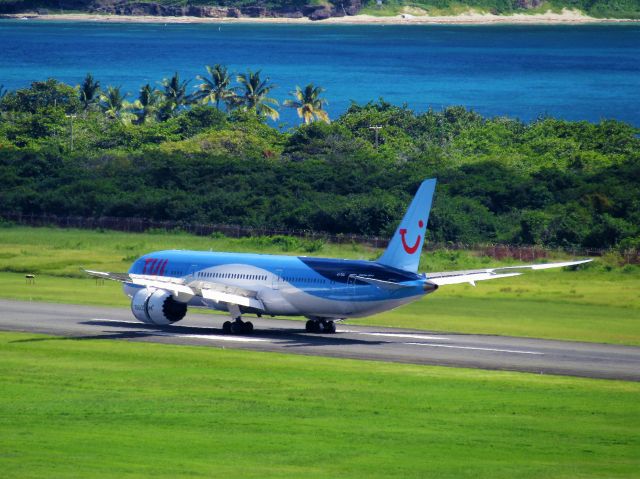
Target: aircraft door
276 279
351 284
192 270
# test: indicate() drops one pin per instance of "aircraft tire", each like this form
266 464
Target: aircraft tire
237 327
248 327
226 327
330 327
309 326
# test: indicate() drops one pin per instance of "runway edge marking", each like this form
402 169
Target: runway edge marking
398 335
209 337
476 348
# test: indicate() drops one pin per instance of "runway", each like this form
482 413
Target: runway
356 342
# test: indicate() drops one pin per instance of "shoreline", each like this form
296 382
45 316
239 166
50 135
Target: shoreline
567 17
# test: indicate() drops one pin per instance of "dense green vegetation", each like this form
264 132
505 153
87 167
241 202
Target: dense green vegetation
596 8
551 182
73 408
599 302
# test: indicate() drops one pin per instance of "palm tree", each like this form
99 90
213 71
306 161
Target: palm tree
308 103
174 94
255 94
147 104
89 91
114 105
216 88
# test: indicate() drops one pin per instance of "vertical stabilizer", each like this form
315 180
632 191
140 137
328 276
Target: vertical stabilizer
404 249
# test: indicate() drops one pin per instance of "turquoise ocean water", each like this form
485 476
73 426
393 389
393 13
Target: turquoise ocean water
575 72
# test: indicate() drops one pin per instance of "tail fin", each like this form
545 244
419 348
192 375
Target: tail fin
404 249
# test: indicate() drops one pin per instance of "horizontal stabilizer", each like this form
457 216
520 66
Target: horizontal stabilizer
382 284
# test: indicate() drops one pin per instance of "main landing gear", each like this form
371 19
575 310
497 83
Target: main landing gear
320 326
237 326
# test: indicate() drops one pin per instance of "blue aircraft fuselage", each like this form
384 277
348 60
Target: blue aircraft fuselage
290 285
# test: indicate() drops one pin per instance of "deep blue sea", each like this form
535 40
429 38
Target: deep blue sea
587 72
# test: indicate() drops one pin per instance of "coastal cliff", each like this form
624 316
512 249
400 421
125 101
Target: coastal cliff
228 9
318 9
212 9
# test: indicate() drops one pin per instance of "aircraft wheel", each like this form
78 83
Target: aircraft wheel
309 326
226 327
237 327
330 327
248 327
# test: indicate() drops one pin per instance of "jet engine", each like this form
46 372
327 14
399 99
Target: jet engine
157 306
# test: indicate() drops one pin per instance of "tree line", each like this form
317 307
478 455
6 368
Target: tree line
250 92
215 159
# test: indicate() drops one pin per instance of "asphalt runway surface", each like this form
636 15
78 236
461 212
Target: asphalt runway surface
356 342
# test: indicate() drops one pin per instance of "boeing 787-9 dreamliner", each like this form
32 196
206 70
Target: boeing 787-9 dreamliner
163 284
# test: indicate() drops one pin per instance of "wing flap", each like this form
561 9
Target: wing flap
232 298
120 277
563 264
154 282
471 276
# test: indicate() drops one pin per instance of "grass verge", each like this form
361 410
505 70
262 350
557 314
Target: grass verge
72 408
570 305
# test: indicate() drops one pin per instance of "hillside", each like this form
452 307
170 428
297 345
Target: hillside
320 9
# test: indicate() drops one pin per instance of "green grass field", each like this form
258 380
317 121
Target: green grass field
598 303
91 408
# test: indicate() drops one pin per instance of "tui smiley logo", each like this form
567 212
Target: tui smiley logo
403 237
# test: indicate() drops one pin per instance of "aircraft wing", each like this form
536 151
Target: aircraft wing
205 289
120 277
471 276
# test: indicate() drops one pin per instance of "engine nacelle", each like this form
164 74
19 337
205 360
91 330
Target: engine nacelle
157 306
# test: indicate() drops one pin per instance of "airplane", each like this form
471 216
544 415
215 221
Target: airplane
163 284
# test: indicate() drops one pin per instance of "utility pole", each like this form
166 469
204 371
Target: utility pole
377 129
71 117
